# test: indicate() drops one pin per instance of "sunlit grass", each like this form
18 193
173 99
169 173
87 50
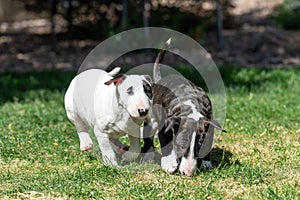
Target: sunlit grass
258 157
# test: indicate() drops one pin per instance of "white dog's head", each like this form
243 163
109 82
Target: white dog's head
134 93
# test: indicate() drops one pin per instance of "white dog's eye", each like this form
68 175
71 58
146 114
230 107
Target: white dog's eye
130 91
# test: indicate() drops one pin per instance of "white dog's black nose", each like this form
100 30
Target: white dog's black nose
143 112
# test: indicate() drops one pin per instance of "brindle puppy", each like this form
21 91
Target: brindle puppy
182 114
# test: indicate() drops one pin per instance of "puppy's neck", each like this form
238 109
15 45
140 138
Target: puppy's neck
139 122
120 111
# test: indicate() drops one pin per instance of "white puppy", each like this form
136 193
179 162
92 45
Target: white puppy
112 107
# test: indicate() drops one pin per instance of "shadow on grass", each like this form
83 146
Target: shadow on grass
22 86
222 158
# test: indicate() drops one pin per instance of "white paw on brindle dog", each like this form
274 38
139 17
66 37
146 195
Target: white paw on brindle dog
182 115
111 107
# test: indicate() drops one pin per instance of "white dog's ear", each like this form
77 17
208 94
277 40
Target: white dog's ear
117 80
148 78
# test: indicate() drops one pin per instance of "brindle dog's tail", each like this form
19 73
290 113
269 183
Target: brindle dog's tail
159 58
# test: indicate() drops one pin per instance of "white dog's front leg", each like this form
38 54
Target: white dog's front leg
108 154
169 163
86 142
134 149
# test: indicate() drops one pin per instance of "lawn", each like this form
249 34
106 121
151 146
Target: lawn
258 157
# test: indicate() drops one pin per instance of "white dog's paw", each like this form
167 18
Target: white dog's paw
111 162
170 169
86 147
206 165
86 142
129 156
169 163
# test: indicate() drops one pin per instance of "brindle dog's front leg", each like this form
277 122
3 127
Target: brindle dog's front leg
169 159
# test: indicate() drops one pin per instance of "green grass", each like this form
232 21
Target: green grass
258 157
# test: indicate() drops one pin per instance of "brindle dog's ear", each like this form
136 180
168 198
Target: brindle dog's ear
116 80
170 122
214 123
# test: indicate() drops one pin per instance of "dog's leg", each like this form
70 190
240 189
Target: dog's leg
106 148
148 149
206 163
86 142
134 149
119 147
148 138
169 159
148 145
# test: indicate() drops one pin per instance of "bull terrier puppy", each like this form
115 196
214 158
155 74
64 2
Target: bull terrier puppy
111 107
182 115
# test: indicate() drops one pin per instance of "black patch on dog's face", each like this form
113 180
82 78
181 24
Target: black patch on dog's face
130 91
183 143
147 89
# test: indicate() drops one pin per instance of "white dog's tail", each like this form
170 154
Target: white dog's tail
159 58
115 71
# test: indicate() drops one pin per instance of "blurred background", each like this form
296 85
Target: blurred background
58 34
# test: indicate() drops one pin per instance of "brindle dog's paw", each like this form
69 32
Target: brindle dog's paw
169 165
171 169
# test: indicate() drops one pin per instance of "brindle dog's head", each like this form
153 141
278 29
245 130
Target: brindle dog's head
193 142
